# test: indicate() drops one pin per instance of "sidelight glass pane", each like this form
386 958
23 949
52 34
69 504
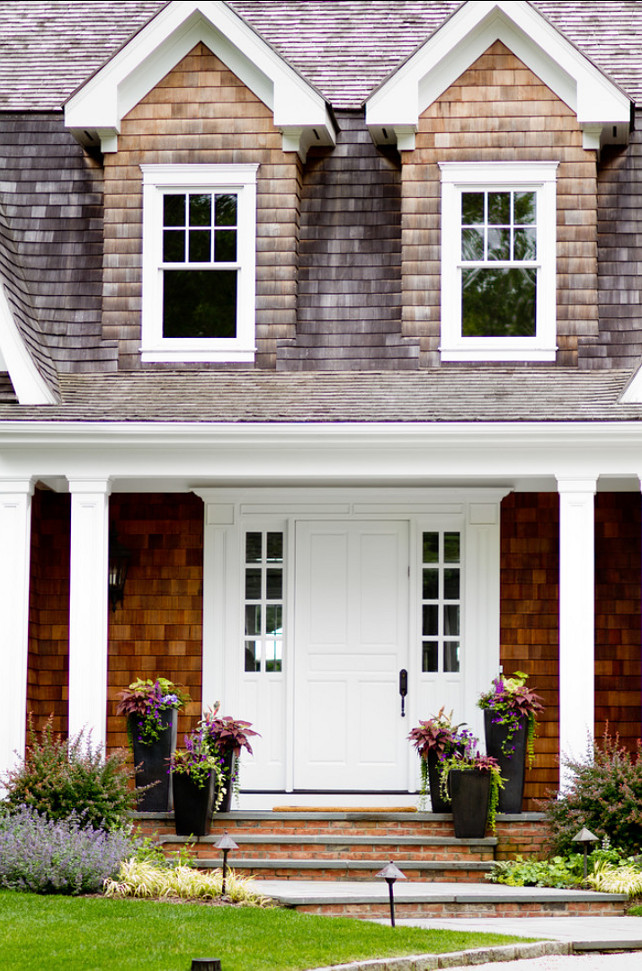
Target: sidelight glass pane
431 585
273 660
452 547
451 584
431 547
275 547
253 547
451 656
252 584
430 621
274 619
451 619
253 619
430 656
274 584
252 655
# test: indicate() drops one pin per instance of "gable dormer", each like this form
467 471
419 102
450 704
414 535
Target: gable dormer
499 121
204 129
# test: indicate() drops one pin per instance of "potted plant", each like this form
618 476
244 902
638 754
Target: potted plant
151 708
435 739
199 786
510 724
472 783
226 737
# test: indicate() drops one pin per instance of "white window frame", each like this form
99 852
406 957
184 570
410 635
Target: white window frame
459 177
159 180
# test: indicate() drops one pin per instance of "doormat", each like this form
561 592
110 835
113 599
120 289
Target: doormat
344 809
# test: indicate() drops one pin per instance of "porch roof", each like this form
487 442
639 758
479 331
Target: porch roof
448 394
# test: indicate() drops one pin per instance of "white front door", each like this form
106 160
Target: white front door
350 643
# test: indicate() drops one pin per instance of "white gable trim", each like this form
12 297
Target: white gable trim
95 112
27 381
464 38
632 394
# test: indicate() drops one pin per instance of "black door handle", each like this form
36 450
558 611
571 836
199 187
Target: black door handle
403 690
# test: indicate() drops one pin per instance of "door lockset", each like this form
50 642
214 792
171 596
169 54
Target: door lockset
403 690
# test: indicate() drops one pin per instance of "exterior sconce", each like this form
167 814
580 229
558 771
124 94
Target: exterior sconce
226 843
391 873
585 837
119 557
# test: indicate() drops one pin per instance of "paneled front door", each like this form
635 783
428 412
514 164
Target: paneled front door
350 642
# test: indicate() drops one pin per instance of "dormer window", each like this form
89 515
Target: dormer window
498 261
199 229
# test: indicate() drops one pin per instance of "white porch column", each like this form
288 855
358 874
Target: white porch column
576 616
15 537
88 607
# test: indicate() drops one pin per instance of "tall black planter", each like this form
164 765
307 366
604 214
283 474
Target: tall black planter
470 794
437 801
229 771
152 765
192 806
511 767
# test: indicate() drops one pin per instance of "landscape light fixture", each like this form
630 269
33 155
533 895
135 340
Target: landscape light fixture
585 837
391 873
226 843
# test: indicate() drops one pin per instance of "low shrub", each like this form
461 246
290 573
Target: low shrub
625 877
605 795
556 872
59 778
57 856
139 878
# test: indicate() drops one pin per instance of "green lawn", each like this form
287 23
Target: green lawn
96 934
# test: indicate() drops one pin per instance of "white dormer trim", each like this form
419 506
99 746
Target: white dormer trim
632 394
95 112
464 37
28 383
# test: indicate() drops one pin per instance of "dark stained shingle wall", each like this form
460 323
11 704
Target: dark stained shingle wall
619 344
349 290
51 198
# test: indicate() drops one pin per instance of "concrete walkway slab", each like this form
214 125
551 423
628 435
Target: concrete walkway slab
584 933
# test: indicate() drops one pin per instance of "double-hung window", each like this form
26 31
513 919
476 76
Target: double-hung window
199 244
498 261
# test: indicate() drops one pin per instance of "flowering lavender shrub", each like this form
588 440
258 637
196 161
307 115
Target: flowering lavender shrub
41 855
61 777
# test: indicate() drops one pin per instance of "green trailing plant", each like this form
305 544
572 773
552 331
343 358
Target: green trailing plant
439 735
604 794
473 761
512 702
200 764
149 699
559 871
60 777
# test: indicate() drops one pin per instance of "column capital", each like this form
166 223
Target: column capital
18 485
567 484
89 485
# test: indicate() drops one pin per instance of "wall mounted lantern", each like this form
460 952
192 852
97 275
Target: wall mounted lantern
119 557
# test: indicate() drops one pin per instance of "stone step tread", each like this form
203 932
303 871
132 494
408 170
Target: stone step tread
259 815
315 839
247 863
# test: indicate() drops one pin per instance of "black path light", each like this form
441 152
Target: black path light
585 837
206 964
391 873
226 843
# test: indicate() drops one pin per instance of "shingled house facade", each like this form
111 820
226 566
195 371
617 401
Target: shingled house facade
329 312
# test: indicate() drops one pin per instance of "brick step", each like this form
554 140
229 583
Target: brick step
345 846
440 900
355 870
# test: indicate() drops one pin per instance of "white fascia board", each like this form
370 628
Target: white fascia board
632 394
467 35
113 91
28 383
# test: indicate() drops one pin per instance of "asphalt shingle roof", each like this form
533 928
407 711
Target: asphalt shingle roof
446 394
344 47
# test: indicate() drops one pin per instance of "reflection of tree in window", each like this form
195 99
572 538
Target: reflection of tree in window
499 227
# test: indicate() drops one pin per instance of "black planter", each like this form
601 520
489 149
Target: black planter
152 765
437 801
192 806
229 770
470 794
511 766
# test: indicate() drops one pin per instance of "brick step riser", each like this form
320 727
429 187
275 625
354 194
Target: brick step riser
358 876
423 909
356 853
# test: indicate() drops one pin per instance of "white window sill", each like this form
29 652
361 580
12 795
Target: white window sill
498 354
162 356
